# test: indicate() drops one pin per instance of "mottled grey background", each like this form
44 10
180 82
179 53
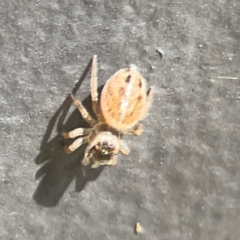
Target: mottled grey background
181 180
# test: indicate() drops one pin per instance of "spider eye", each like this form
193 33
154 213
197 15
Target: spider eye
105 152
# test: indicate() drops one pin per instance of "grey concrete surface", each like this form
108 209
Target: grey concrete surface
181 179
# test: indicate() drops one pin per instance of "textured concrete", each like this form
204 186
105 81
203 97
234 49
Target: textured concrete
181 180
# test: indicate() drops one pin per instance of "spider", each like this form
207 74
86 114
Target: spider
124 102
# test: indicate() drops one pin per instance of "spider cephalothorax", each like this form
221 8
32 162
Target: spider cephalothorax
104 144
124 103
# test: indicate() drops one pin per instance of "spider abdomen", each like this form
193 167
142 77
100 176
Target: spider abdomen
123 99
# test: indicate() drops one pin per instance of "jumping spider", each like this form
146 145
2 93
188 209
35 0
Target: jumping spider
123 104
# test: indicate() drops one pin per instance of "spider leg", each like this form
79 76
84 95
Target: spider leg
76 144
95 165
76 132
94 86
137 130
86 159
85 114
112 161
124 148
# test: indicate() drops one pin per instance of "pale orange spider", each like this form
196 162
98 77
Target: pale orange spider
124 103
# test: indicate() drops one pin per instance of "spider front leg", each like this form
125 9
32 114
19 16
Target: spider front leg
94 86
111 162
95 165
86 159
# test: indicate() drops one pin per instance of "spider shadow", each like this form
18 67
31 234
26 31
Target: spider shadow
58 168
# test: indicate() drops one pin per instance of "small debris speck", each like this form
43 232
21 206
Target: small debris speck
138 228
